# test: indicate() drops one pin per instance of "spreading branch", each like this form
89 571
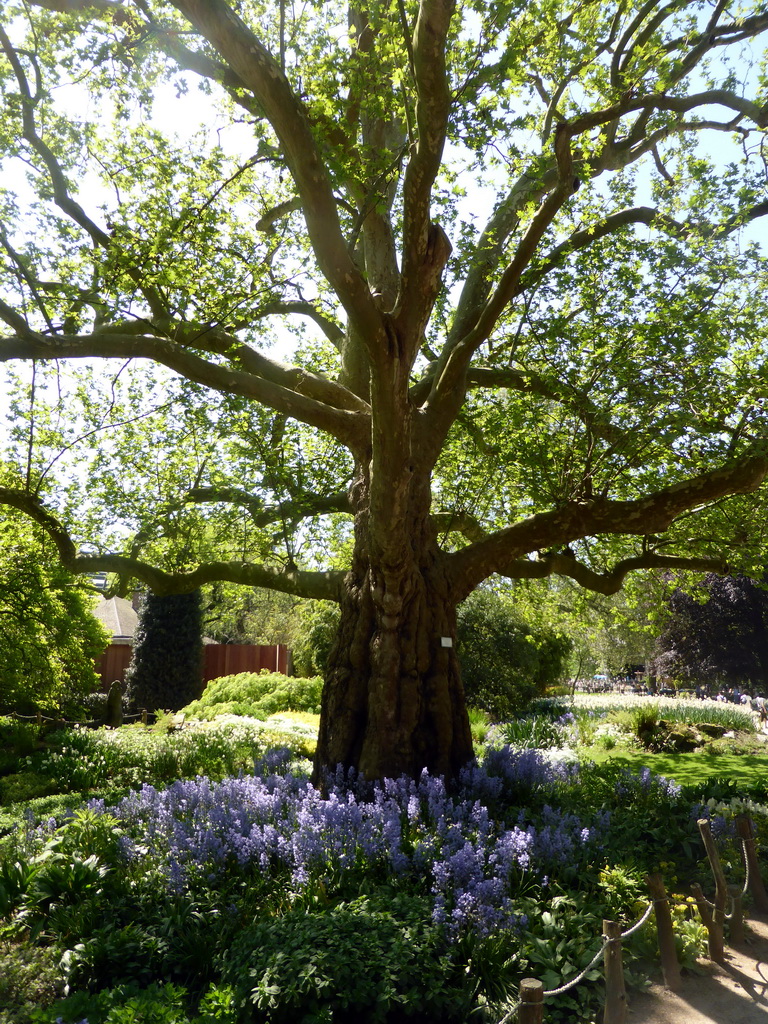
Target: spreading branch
293 511
319 585
652 514
612 580
348 427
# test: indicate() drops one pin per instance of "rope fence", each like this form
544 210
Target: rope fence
42 720
528 1008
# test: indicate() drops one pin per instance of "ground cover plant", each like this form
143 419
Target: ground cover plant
249 897
67 766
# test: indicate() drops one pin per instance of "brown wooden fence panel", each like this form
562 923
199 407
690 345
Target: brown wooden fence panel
113 663
228 659
218 660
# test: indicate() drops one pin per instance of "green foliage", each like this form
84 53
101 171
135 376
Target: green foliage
23 786
250 945
79 760
645 719
49 639
258 695
156 1003
359 960
533 731
505 663
166 667
315 634
249 615
30 978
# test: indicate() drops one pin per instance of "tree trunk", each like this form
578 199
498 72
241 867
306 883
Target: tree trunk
393 701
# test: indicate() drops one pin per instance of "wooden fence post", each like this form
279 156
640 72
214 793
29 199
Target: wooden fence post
143 716
716 941
615 994
756 887
531 1002
670 968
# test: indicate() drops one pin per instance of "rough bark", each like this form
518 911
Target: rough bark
393 700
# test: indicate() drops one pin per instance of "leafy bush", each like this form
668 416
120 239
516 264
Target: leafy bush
257 695
505 662
25 786
318 625
127 1004
49 639
16 739
534 731
354 961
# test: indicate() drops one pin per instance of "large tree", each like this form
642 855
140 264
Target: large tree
530 309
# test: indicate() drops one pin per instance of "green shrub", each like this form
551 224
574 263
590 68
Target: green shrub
25 786
127 955
49 638
126 1004
505 662
355 961
257 694
533 731
17 739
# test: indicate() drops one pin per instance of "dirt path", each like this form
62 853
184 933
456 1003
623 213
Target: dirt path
733 993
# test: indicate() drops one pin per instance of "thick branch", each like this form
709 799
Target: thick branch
321 585
450 380
258 70
458 522
425 247
208 338
609 582
293 511
330 328
348 427
652 514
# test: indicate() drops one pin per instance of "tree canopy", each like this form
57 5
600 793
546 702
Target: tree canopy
49 638
513 247
717 633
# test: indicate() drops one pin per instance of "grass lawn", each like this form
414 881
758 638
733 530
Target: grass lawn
689 768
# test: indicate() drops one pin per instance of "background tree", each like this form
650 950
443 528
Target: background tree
165 671
505 662
240 615
49 639
717 633
317 625
526 311
610 634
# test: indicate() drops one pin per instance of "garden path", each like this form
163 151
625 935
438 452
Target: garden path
733 993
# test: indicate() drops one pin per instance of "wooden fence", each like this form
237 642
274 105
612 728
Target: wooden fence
529 1007
218 660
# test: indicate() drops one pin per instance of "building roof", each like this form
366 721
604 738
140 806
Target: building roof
118 616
